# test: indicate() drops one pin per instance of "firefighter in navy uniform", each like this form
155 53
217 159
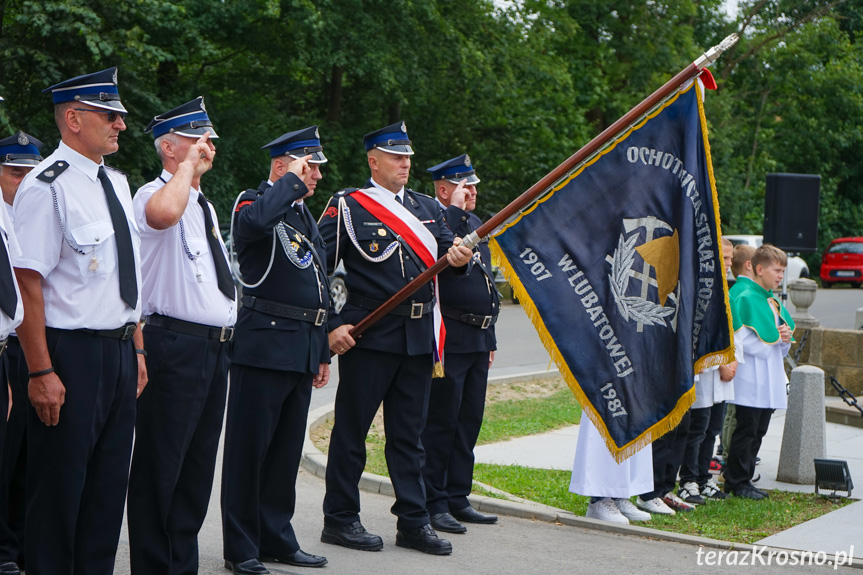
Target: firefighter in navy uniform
386 235
470 305
280 352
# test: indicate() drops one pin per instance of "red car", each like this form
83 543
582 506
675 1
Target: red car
843 262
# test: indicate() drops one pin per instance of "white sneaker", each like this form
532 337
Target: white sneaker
689 492
655 505
711 491
630 511
606 510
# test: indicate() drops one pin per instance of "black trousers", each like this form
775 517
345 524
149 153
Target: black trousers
456 405
77 471
704 425
264 434
177 433
667 457
13 466
752 424
367 378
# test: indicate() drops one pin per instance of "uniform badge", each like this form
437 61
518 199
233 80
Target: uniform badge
49 174
23 140
466 161
373 247
382 232
331 212
404 128
298 237
204 108
114 78
317 135
295 245
214 232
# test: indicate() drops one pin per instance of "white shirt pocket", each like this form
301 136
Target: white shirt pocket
200 263
96 241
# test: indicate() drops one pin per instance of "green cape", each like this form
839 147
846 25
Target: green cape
754 309
741 285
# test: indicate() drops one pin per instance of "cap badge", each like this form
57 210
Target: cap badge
203 107
23 140
466 161
114 78
316 134
404 128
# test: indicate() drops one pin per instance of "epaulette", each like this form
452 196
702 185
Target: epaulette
112 168
345 192
50 173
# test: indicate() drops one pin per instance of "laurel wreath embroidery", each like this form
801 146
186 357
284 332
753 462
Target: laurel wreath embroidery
632 307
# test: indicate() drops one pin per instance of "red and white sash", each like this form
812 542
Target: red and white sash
382 204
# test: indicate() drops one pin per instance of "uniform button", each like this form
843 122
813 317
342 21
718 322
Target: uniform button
412 278
296 186
272 323
464 218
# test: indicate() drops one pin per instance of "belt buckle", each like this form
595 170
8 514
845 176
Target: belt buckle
128 331
486 322
226 334
321 317
416 310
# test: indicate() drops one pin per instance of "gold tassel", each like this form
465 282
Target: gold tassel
438 370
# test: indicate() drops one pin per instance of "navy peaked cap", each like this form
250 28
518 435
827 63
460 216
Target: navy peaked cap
393 139
98 89
297 144
455 170
189 119
21 150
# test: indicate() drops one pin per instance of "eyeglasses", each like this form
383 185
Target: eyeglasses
112 116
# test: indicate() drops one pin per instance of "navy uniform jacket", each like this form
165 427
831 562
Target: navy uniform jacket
380 280
264 340
473 292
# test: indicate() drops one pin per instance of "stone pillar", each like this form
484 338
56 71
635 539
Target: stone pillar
802 292
858 319
804 437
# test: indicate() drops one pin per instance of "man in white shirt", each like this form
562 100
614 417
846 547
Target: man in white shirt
19 154
189 309
80 282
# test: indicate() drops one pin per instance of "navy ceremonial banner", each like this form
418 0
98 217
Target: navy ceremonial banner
620 269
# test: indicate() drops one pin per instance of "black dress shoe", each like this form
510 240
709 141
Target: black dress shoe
471 515
748 492
298 558
9 568
353 536
423 539
447 523
247 567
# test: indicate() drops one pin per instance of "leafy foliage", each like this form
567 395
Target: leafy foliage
518 85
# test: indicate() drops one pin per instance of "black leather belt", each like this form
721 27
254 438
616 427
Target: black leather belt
222 334
481 321
413 310
315 316
122 333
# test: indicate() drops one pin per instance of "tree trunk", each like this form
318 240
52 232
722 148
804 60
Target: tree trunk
335 94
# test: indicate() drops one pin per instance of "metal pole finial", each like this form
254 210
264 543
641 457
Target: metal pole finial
711 55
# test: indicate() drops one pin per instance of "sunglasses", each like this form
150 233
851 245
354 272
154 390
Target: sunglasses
112 116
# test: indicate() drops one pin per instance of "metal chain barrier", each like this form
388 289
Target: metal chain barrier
846 395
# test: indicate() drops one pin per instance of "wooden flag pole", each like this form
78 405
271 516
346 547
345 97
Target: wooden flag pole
549 179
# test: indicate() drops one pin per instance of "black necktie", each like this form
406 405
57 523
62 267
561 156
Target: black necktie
125 253
223 274
399 200
303 220
8 297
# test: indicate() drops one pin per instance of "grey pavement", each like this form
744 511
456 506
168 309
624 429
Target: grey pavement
519 545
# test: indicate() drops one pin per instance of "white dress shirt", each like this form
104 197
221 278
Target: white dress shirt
73 247
760 380
7 232
179 276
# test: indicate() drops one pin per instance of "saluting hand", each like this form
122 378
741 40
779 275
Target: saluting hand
201 154
47 394
460 195
300 167
458 255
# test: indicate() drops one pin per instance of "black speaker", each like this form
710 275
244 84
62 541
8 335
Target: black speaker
791 212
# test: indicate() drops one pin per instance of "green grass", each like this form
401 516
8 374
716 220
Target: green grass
516 418
737 520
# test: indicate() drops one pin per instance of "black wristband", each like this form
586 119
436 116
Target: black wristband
141 352
40 373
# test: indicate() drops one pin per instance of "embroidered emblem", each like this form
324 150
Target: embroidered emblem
331 212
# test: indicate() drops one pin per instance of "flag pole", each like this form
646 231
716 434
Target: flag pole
549 179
